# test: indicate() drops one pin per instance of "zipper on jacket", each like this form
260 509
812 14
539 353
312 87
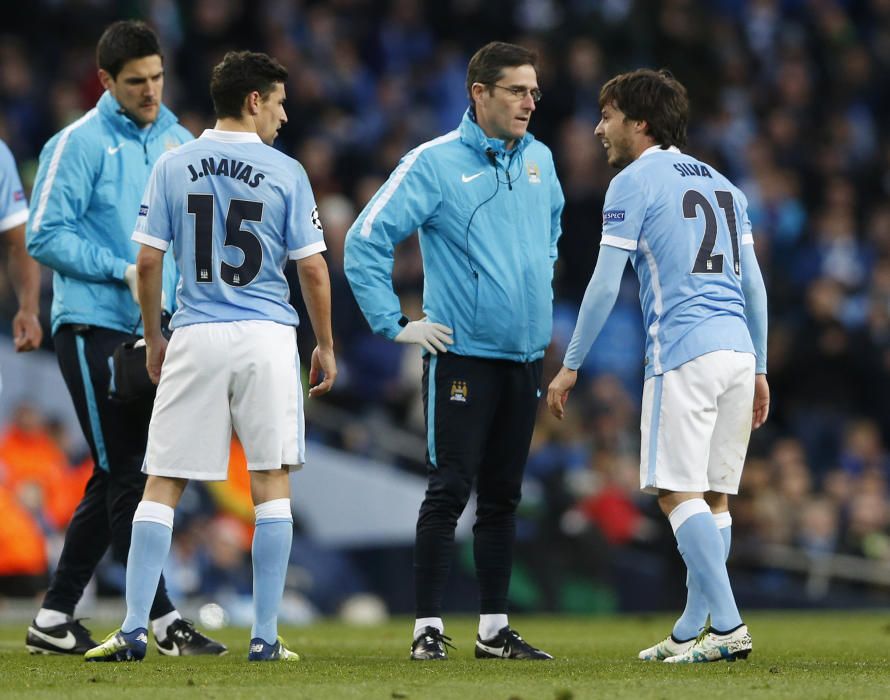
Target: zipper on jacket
510 165
145 141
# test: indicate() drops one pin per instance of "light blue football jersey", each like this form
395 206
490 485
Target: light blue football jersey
13 205
235 210
684 224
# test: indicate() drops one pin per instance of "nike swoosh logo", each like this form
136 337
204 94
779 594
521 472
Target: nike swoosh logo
470 178
497 651
115 149
66 642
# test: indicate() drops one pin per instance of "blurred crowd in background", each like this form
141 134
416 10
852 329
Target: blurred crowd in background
788 97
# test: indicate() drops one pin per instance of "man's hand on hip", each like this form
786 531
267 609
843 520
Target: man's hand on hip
434 337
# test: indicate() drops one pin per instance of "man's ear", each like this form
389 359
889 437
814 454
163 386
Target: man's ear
252 103
105 78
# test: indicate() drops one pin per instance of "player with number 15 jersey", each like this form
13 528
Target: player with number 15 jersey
234 210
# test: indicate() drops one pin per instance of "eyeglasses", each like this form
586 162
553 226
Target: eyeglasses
520 93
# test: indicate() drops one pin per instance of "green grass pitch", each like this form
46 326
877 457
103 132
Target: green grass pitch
796 655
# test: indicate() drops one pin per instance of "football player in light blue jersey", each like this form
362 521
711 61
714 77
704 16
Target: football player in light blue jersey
686 231
234 210
23 269
86 196
210 199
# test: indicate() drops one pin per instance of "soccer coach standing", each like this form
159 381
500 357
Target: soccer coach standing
487 204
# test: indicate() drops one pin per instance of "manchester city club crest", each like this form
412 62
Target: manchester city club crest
459 391
534 173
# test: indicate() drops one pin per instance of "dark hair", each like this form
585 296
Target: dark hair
488 63
655 97
124 41
239 74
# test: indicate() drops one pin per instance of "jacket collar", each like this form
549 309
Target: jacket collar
110 109
472 135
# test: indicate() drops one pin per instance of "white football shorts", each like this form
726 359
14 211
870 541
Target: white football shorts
696 423
218 376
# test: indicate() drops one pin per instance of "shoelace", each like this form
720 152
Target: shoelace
513 636
185 629
109 636
437 637
76 623
704 631
514 641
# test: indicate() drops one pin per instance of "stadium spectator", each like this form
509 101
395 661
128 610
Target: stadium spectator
86 199
30 455
488 203
23 564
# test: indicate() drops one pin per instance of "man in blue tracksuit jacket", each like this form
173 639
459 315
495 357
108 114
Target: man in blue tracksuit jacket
85 201
487 204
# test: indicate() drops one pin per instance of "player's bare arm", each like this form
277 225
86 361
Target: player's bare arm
150 267
24 272
761 401
558 391
316 287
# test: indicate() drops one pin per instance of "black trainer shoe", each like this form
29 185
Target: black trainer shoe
430 646
184 640
68 638
507 644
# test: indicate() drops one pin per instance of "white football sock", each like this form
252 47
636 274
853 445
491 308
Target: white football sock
490 625
50 618
159 626
421 623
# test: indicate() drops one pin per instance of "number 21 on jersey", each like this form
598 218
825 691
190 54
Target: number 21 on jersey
705 261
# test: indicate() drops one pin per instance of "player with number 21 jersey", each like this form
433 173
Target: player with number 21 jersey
683 223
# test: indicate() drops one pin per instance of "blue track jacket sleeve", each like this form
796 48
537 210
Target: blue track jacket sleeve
410 198
755 305
559 201
61 195
599 298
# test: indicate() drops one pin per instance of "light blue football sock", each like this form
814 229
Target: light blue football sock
271 551
703 549
726 534
695 615
149 546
